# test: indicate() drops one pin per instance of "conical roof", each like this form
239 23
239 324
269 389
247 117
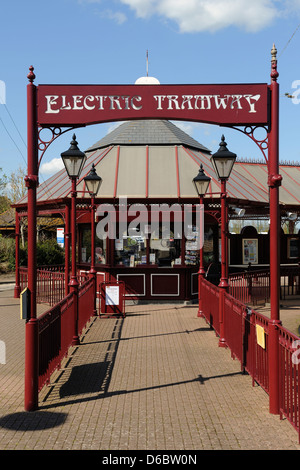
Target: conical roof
149 132
157 160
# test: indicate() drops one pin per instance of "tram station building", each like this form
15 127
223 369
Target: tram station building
148 165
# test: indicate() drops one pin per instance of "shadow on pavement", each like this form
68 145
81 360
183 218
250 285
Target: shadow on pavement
32 421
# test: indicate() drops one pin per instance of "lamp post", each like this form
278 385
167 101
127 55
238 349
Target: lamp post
223 161
74 161
274 182
201 183
93 183
31 181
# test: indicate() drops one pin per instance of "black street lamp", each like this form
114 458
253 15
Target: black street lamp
223 161
93 183
74 161
201 183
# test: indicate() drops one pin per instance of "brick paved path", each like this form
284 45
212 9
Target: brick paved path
154 380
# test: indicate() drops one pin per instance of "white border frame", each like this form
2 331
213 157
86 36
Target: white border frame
194 274
244 241
165 295
137 274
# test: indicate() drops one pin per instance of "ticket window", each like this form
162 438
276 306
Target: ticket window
100 248
131 249
165 248
140 247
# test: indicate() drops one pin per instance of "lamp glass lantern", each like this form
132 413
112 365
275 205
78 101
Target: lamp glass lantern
93 181
223 160
201 182
73 159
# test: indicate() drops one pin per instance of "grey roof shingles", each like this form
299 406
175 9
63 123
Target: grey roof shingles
150 132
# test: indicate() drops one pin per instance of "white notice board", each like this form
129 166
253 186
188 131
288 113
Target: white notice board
112 295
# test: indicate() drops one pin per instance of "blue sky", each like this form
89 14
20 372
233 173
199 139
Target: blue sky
189 41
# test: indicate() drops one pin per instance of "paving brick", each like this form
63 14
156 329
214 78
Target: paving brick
156 380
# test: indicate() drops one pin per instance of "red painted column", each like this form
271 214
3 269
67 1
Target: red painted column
67 248
274 181
93 247
201 271
17 289
74 281
31 180
223 285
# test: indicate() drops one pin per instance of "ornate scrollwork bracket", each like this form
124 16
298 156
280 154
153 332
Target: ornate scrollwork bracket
216 214
55 132
261 142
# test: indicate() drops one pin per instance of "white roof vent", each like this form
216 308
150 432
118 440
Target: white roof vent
147 81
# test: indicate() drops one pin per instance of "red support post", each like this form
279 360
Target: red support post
17 289
67 248
223 285
201 271
31 180
93 247
74 281
274 181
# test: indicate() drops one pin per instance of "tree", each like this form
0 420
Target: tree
3 182
4 200
16 188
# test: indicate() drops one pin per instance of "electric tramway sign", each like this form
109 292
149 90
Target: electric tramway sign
232 104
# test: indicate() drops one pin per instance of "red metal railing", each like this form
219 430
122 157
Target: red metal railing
23 273
250 287
289 360
85 303
56 329
242 329
253 287
240 335
50 283
50 287
289 277
210 299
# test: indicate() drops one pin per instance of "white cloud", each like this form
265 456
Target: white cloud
108 14
116 16
206 15
54 165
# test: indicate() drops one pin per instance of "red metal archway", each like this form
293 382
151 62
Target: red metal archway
245 107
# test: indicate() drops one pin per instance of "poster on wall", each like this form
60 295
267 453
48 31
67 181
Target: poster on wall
60 236
250 251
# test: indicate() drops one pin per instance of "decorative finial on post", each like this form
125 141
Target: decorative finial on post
31 75
223 144
274 73
274 54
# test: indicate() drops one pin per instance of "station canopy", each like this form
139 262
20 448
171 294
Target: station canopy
155 159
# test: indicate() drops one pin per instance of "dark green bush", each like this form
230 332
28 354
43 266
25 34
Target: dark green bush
48 252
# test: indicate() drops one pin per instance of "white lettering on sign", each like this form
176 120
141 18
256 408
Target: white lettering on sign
58 103
207 102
